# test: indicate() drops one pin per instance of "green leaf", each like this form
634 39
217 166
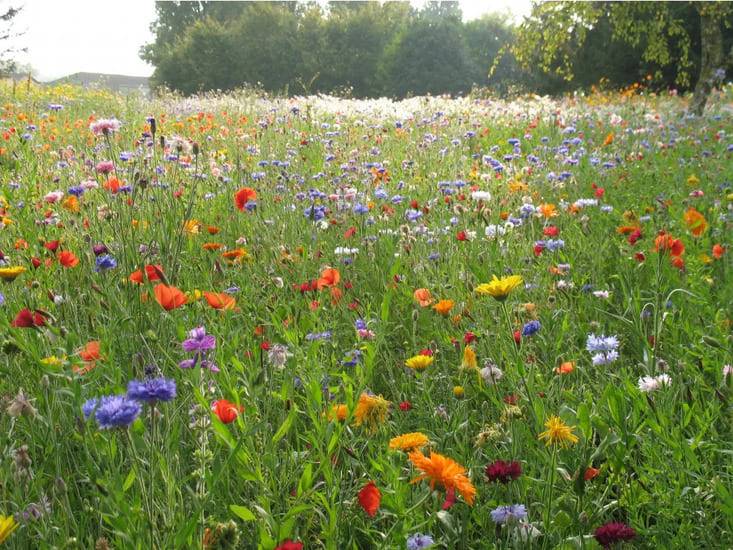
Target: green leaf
286 425
129 480
242 512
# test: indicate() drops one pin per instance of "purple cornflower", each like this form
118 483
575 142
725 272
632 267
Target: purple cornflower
112 411
105 166
152 390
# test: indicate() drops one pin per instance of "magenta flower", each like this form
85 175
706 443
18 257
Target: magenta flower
105 126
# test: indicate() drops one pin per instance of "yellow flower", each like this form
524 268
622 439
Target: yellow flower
469 358
7 526
558 433
408 442
443 307
53 361
693 180
444 471
371 411
192 227
420 362
499 288
458 391
10 273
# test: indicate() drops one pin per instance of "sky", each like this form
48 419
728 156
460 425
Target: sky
69 36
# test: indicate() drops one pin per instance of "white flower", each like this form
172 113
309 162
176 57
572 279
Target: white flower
491 374
481 196
278 355
343 251
652 383
602 294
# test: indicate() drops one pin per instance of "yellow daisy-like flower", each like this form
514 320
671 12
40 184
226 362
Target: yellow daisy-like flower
371 411
558 433
192 227
444 306
420 362
499 288
7 526
11 273
408 442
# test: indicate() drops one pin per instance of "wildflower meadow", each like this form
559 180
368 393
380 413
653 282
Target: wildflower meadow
239 321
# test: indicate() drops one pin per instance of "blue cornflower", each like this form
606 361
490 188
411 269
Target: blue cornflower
113 411
360 324
531 328
505 514
352 358
315 212
419 541
326 335
601 343
413 215
152 390
76 190
104 263
360 209
88 407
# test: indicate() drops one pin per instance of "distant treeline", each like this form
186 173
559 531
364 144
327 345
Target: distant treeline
372 49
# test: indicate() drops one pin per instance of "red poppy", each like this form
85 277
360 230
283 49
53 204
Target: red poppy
550 231
220 300
405 406
469 337
289 545
51 245
29 319
243 196
590 473
169 297
329 277
36 262
68 259
349 232
369 498
718 251
461 236
226 410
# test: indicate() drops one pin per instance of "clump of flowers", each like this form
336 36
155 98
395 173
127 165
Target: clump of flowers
604 348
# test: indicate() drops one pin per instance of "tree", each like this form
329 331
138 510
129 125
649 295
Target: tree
7 32
556 31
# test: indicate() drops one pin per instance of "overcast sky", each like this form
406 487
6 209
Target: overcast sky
69 36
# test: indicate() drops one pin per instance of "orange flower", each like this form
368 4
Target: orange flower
443 307
220 300
369 498
169 297
666 242
423 297
68 259
243 196
212 246
329 277
90 352
152 272
609 139
212 229
695 221
566 368
626 229
336 295
718 251
444 471
548 210
338 412
236 255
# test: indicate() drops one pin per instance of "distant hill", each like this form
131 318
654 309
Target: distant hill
115 82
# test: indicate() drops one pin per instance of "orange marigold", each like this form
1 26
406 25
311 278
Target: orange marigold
441 470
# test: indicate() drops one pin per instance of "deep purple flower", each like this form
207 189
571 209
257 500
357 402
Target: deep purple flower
152 390
199 341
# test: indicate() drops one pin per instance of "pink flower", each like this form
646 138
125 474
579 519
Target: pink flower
105 126
105 166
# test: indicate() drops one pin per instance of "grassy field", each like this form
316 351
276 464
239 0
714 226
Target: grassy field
220 314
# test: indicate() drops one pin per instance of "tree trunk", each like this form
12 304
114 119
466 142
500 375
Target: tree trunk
711 59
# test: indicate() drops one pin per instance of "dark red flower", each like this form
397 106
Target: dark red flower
51 245
405 406
426 351
517 337
28 319
461 236
503 472
450 498
511 399
265 345
469 337
613 532
634 236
